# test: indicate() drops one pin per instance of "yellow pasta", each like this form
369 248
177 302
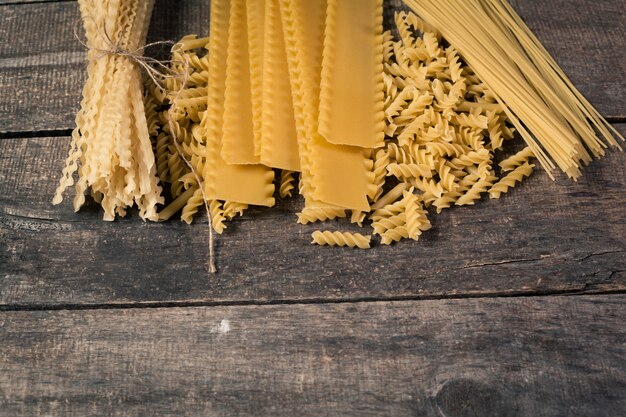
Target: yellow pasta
110 148
517 175
394 235
286 183
351 97
247 184
382 130
279 142
238 126
313 213
384 224
192 206
255 15
217 216
232 209
381 161
353 240
556 122
416 218
516 160
304 27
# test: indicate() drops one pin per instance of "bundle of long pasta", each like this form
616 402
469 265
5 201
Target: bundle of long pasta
555 120
110 147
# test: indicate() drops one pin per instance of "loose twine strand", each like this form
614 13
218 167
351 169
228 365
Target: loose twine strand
159 72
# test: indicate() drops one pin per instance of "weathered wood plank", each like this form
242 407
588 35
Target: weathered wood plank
42 71
523 357
544 237
13 2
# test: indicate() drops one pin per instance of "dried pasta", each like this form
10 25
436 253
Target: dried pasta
444 133
286 183
556 121
111 150
353 240
380 130
517 175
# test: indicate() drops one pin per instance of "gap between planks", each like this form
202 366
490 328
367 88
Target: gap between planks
24 2
586 290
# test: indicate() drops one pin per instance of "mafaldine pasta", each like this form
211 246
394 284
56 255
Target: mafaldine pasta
110 148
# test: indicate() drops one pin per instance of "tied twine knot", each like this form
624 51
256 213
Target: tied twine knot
158 72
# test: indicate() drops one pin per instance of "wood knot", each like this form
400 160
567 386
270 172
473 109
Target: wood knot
469 398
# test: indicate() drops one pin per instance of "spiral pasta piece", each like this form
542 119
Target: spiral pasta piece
447 200
446 178
408 171
416 219
509 181
352 240
192 206
517 160
286 183
383 225
217 216
475 192
232 209
399 154
389 210
381 162
319 214
162 153
394 235
177 170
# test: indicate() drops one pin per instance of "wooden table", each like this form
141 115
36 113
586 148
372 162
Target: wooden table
510 308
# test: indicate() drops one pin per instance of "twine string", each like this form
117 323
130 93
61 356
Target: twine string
170 122
158 72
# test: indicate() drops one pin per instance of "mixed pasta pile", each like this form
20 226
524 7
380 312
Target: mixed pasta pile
444 131
313 97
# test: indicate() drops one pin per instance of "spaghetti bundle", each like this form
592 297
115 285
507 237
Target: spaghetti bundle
110 147
559 125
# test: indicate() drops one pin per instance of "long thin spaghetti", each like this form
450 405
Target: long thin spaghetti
556 121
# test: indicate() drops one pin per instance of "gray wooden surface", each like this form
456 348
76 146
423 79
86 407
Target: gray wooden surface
545 237
545 356
510 308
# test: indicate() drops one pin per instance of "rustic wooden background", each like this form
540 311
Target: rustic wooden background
509 308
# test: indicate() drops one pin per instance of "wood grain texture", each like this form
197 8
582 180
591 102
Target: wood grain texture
13 2
544 237
524 357
42 71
